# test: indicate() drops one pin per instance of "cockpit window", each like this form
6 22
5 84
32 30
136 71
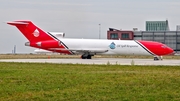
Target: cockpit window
164 46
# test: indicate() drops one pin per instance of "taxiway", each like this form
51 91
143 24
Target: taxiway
113 61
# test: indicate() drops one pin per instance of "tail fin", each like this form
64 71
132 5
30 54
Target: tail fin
30 31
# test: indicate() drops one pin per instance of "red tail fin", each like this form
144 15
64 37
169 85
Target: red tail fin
31 32
38 38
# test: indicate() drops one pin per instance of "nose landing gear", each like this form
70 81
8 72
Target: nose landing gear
157 58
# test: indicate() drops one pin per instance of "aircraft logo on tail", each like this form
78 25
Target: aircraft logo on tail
36 33
112 45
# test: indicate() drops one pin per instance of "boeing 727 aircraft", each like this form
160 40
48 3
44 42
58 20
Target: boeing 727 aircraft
88 47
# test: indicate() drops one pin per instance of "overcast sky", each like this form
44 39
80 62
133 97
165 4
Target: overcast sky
81 18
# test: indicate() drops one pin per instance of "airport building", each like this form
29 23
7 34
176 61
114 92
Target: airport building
116 34
155 31
157 25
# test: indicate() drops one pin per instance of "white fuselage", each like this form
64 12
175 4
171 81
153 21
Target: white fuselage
125 47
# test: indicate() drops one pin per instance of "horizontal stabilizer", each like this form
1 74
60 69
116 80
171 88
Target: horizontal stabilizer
17 23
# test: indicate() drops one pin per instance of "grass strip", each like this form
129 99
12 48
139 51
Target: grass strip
68 82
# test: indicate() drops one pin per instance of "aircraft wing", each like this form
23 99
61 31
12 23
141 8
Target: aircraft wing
81 50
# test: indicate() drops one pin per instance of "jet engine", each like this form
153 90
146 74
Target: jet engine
44 44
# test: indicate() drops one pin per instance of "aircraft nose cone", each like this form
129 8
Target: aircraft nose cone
171 51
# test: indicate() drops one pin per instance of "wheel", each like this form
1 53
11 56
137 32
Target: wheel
83 57
89 57
156 58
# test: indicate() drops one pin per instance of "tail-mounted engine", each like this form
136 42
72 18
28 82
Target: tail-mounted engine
44 44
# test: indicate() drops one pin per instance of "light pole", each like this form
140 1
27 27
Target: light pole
99 31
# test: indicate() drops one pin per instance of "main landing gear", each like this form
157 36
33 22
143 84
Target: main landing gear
86 56
157 58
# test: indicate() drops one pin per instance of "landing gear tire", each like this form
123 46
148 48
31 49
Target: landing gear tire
83 57
89 57
157 58
86 57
